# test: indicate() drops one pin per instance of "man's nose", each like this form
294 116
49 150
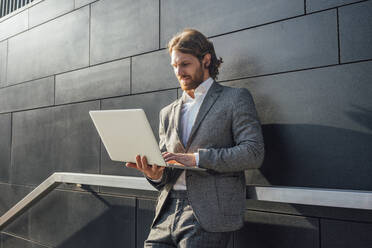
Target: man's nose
178 71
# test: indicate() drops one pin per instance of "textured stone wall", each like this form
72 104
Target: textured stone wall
308 64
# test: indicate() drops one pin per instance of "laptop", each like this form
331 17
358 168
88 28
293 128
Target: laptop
126 133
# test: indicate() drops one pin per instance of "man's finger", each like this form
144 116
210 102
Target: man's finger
167 159
131 165
167 155
139 163
145 166
154 168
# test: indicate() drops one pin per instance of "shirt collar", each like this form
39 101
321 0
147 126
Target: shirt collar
201 90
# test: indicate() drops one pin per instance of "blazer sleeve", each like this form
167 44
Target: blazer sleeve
162 146
248 151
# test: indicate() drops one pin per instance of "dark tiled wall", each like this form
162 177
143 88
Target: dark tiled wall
307 64
307 116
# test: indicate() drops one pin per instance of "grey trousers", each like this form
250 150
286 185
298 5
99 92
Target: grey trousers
178 227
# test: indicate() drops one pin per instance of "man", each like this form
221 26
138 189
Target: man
212 127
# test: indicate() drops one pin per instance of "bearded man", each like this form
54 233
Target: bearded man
212 127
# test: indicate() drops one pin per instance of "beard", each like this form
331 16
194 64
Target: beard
193 81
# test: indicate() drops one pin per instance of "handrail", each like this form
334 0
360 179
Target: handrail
354 199
70 178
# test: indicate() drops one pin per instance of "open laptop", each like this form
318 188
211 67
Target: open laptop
127 133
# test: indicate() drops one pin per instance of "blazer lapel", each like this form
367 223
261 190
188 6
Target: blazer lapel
176 112
208 102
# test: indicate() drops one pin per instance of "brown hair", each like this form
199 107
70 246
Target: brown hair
193 42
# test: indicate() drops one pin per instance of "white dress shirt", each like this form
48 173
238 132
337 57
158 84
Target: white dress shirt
189 110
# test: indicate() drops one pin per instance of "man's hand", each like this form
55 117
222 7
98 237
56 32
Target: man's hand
185 159
153 172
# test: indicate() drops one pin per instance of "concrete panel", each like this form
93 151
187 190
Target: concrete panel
317 127
106 80
133 28
269 229
10 195
67 219
218 17
356 32
152 103
29 95
14 25
316 5
47 10
342 234
14 242
54 139
3 61
303 42
80 3
152 72
5 146
145 215
64 46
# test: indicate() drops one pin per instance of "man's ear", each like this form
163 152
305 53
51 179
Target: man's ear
207 60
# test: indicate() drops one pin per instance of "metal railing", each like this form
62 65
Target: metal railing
354 199
8 6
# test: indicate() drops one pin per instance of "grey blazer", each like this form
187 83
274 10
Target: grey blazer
227 135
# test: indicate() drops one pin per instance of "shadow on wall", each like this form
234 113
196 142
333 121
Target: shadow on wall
316 156
362 116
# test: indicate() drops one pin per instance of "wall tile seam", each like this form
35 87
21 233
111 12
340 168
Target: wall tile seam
159 27
84 4
25 82
127 57
338 6
174 88
338 37
162 48
9 184
6 62
130 57
281 213
309 216
25 239
90 32
85 101
297 70
11 149
268 23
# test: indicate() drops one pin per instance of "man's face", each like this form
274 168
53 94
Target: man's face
189 71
